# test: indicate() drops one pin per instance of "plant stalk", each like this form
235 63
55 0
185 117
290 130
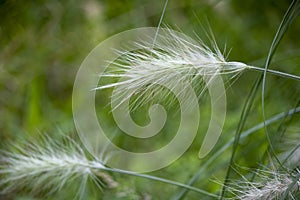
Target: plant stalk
278 73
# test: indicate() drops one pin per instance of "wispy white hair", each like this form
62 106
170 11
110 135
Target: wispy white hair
174 60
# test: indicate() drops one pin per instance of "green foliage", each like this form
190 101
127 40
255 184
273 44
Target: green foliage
44 42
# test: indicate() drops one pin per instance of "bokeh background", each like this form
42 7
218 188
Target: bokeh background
42 44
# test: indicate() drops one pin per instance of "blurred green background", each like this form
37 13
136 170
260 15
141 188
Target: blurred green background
43 43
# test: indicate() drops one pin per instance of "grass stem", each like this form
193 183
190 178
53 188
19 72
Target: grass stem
278 73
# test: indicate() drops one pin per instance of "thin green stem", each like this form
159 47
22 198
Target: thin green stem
156 179
278 73
228 144
289 17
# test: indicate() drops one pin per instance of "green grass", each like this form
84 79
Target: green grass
43 44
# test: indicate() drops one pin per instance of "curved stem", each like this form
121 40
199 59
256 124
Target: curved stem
228 144
278 73
156 179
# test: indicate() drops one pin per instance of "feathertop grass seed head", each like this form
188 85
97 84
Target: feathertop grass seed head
173 61
271 185
50 166
47 167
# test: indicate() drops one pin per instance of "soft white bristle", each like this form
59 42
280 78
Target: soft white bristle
271 185
173 61
45 168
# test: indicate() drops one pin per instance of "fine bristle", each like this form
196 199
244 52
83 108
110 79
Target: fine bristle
45 167
173 62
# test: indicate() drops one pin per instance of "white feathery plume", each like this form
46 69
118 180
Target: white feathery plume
50 166
173 61
46 167
272 185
